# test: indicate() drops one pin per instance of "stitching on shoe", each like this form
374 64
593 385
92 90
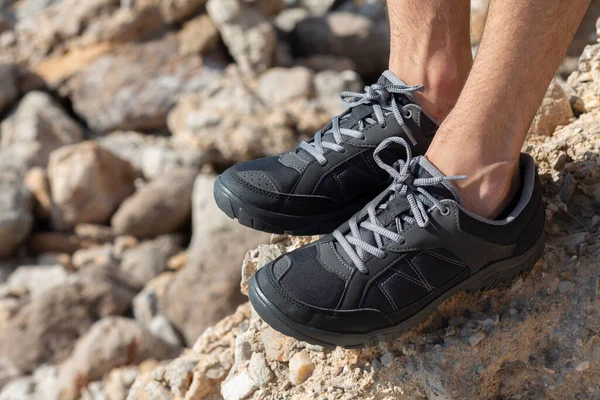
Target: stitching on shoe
444 258
254 188
388 297
420 274
407 277
330 169
261 175
339 182
296 167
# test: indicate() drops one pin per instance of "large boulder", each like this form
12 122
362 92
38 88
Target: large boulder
210 280
16 216
229 122
88 183
162 206
135 86
39 125
248 34
46 329
363 40
110 343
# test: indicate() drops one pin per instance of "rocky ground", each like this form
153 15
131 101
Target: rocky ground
115 116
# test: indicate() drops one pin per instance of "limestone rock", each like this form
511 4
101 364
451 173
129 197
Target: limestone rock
210 279
363 40
38 279
162 206
39 125
111 342
555 110
281 85
16 217
135 86
249 36
36 180
150 258
151 155
198 36
229 122
329 84
479 9
301 368
45 330
88 183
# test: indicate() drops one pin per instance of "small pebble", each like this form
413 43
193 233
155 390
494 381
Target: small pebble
301 368
475 338
582 366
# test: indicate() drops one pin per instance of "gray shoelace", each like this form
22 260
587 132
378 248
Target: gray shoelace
421 203
381 98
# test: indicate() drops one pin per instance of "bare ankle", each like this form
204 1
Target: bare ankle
443 80
489 188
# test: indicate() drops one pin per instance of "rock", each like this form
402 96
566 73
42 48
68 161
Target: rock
39 125
250 38
197 373
301 368
56 242
96 233
342 34
151 155
110 343
211 278
119 381
36 180
238 387
198 36
162 206
317 7
329 84
228 122
150 258
149 303
259 370
474 339
88 183
45 330
136 86
281 85
38 279
287 20
98 255
9 91
162 328
16 217
555 110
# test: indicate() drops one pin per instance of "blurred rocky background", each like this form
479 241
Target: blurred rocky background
115 117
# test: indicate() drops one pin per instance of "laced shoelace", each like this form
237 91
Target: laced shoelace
381 98
420 202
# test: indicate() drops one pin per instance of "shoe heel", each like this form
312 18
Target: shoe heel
503 276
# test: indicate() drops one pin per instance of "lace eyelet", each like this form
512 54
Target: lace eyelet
363 138
445 211
407 114
383 126
402 242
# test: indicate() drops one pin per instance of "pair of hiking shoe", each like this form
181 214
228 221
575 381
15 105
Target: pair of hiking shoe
397 242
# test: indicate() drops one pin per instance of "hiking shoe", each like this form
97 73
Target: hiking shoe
316 187
394 262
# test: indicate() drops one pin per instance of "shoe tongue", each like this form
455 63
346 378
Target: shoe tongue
420 168
358 113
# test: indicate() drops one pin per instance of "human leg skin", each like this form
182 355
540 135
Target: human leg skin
522 47
430 45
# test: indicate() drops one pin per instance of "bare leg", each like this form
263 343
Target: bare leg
430 45
523 44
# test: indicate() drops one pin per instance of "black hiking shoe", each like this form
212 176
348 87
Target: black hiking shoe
316 187
393 263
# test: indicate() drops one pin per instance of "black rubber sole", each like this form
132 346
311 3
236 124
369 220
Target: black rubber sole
496 275
271 222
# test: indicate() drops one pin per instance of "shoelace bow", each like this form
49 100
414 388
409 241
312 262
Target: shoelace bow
404 184
381 98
